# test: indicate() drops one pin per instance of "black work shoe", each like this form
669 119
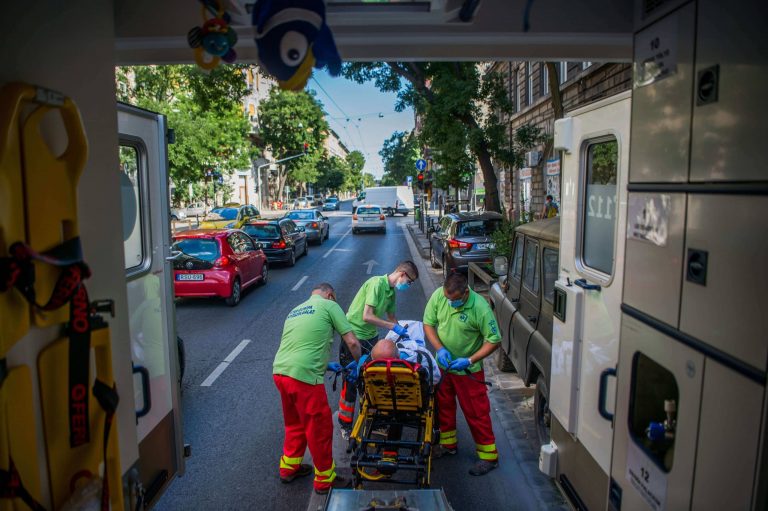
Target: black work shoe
482 467
303 470
339 482
440 450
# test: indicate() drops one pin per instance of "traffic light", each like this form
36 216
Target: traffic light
306 147
420 179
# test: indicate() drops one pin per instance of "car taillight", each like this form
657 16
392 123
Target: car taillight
279 244
354 217
314 225
221 262
382 217
458 244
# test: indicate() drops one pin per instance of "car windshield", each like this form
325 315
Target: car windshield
368 211
227 213
478 227
261 231
301 215
199 248
331 199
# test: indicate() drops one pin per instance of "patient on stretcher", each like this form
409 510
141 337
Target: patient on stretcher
411 349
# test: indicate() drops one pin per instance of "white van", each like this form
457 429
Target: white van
392 199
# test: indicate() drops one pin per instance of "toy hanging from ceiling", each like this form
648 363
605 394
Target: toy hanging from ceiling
292 37
215 40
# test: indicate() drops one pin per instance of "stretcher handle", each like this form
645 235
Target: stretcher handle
145 391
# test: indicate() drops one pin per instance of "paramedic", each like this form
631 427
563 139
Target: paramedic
460 325
374 299
298 370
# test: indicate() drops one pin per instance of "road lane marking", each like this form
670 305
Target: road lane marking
221 367
370 263
338 242
300 282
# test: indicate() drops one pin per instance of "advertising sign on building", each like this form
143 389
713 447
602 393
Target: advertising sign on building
552 175
526 173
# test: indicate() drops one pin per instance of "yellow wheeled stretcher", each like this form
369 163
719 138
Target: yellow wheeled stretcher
395 427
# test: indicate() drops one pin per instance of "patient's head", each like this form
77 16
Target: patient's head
385 349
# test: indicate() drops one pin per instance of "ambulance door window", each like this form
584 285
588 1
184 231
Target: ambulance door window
598 218
132 191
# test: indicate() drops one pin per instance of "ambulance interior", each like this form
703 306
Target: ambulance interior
73 48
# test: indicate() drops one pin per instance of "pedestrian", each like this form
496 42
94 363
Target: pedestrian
376 298
298 370
461 327
551 209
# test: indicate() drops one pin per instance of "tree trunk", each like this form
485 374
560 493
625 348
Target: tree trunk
492 202
554 89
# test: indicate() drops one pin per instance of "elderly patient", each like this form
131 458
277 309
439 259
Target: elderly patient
408 350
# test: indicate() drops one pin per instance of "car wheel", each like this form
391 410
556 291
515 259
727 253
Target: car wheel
292 259
384 231
234 297
354 231
432 259
264 274
306 247
405 214
541 410
328 233
503 363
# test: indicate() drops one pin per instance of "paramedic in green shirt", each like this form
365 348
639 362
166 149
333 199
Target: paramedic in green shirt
373 301
460 325
298 370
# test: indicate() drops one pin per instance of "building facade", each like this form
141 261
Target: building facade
524 189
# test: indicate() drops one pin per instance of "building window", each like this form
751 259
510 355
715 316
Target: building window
132 185
529 74
520 89
563 72
598 227
550 264
544 79
531 267
251 109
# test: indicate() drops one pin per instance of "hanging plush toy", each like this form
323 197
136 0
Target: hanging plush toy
215 37
291 37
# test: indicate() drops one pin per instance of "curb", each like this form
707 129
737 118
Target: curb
418 239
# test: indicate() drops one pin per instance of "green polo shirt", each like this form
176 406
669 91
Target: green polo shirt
376 293
462 330
307 337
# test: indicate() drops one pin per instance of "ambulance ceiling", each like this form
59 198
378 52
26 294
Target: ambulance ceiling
152 31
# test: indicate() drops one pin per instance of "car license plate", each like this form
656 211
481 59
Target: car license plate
369 219
485 246
189 276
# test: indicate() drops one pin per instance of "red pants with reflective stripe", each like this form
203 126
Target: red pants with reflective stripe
472 395
308 420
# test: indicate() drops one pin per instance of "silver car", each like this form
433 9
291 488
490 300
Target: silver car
461 238
315 224
369 218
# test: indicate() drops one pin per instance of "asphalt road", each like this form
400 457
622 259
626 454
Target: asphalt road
235 424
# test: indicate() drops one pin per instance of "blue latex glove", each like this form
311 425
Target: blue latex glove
334 366
444 357
351 370
400 330
459 364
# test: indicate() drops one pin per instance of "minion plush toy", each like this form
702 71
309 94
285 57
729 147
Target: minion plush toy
291 38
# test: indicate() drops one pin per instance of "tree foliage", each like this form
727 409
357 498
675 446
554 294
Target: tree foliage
288 121
462 111
354 177
332 173
204 109
399 154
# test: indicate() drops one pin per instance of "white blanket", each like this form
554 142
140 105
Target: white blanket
414 348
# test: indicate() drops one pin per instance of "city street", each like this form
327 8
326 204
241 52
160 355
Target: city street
232 417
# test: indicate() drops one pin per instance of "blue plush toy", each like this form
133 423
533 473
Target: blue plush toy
292 37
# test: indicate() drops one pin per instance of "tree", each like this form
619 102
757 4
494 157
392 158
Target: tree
355 163
461 110
332 173
399 154
205 111
288 121
369 180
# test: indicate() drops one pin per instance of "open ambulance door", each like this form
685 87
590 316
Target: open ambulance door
146 241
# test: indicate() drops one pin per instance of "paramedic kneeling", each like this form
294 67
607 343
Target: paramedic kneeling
461 327
298 370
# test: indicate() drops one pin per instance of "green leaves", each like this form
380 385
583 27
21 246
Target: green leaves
399 154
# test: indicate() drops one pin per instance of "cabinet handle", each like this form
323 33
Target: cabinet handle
582 283
145 391
605 414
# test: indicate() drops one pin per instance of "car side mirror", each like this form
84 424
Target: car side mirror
500 265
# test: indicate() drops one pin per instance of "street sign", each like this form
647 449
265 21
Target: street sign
421 164
409 180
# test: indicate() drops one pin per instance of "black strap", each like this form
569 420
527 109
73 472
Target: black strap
79 331
11 487
108 399
472 376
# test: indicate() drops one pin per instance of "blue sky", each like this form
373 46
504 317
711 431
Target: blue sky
361 104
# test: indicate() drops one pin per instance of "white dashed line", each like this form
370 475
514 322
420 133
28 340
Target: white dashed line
338 242
221 367
300 282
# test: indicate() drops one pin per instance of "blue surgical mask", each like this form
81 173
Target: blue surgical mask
456 303
402 286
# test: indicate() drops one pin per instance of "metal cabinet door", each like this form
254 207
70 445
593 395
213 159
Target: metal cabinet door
149 275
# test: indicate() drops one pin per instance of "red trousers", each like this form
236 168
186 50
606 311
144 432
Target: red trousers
307 418
472 395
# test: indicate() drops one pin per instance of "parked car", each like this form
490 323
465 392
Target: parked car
319 199
229 217
524 306
282 240
369 218
178 214
461 238
300 203
217 262
196 209
315 224
331 204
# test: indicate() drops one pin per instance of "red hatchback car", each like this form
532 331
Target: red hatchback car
216 262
